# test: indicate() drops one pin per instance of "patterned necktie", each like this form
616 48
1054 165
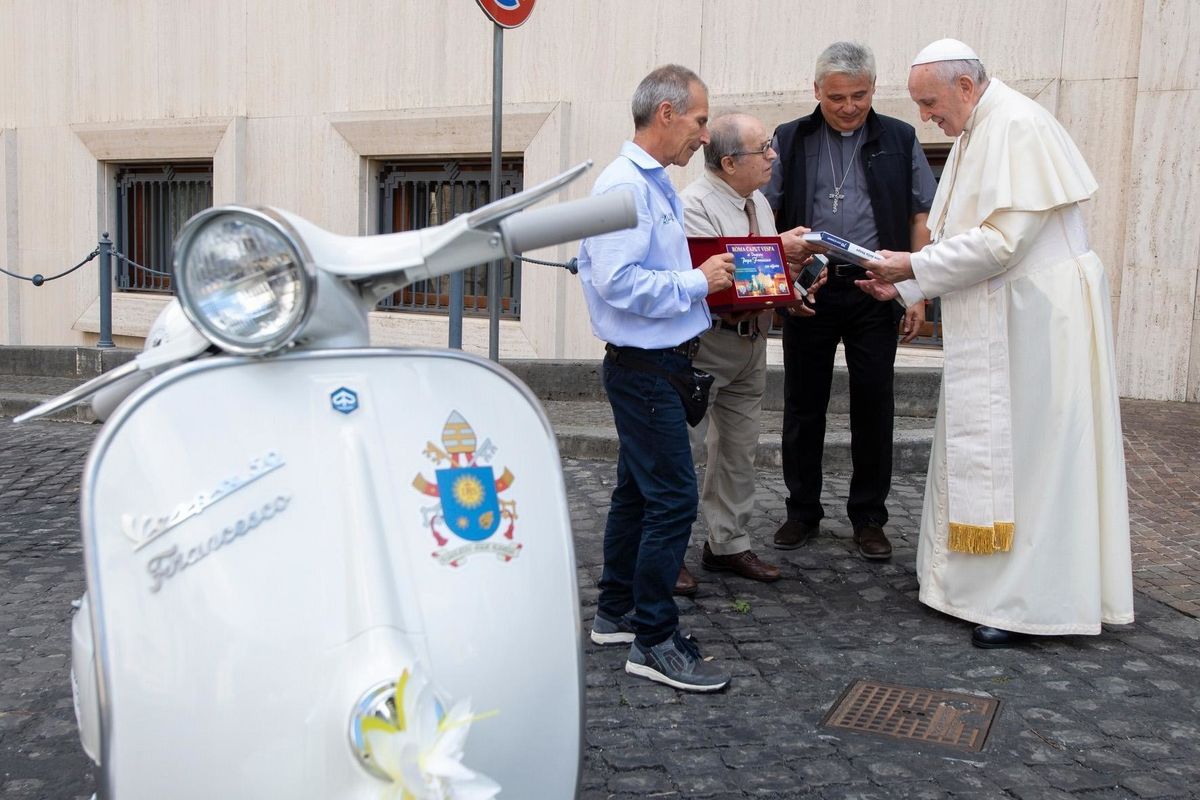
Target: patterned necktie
751 216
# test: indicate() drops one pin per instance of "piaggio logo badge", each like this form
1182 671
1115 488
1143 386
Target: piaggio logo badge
344 400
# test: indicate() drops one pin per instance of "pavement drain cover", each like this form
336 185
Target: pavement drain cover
951 719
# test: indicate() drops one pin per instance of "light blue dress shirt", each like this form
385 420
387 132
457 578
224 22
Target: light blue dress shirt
639 284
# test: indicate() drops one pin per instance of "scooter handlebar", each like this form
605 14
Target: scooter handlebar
565 222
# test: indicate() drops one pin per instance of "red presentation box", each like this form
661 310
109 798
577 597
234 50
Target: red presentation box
760 273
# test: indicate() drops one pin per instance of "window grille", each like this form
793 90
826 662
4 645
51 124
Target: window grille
418 194
931 331
153 202
936 155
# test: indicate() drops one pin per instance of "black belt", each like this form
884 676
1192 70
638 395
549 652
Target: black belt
687 349
747 328
846 271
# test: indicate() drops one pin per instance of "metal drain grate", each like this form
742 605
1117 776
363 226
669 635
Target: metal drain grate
951 719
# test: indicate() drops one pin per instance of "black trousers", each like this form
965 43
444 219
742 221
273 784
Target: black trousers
867 328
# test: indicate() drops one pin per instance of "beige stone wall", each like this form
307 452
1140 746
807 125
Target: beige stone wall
10 290
1158 332
295 100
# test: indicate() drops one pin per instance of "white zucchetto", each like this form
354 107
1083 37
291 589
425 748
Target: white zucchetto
945 50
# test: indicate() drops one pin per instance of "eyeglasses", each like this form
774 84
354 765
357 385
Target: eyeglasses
762 151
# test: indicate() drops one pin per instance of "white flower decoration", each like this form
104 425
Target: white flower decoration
422 753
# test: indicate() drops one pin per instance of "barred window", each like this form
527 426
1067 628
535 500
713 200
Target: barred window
419 193
153 202
931 331
936 155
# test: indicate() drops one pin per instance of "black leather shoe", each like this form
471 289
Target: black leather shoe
995 638
872 543
793 533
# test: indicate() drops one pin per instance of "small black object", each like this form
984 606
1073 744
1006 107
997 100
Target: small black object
38 279
810 273
692 387
691 384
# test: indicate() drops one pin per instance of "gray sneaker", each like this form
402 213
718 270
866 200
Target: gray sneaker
606 631
676 662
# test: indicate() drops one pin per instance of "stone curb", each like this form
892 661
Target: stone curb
61 362
910 449
916 388
571 391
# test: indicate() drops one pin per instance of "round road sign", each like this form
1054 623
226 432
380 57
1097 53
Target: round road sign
507 13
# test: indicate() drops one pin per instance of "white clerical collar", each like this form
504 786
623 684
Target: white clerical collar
845 134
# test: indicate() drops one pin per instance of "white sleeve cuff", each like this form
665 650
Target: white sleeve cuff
695 283
910 292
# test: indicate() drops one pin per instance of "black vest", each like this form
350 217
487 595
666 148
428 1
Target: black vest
887 162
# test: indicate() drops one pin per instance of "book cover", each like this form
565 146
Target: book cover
760 273
846 250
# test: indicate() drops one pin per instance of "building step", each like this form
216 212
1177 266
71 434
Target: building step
80 363
21 393
571 392
584 429
916 388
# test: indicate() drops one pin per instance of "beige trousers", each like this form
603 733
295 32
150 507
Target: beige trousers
730 433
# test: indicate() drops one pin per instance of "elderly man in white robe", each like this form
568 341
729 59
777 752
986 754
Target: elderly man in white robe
1025 528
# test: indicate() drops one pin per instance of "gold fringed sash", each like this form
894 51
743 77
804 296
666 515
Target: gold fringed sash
981 539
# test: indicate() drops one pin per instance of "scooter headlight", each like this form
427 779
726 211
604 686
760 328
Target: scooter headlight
244 278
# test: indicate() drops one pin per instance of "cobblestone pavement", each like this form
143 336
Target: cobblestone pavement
1162 460
41 572
1113 716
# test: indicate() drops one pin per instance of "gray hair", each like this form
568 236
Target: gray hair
669 83
724 139
846 58
950 71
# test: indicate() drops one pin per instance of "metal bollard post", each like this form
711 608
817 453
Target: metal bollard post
105 247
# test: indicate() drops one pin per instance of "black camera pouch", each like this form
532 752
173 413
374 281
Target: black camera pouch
692 385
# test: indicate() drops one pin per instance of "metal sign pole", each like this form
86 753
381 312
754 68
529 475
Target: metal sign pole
503 14
457 290
496 268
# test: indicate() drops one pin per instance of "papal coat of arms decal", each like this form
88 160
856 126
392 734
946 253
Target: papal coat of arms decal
471 509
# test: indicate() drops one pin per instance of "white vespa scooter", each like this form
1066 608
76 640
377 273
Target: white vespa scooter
319 570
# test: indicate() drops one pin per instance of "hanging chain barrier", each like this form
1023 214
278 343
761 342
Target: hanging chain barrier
119 255
37 279
105 251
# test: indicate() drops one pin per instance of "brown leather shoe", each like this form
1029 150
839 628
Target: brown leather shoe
744 563
793 533
685 584
872 543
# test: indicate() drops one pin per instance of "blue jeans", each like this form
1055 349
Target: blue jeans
654 502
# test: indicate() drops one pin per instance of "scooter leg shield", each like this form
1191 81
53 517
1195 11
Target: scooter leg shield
280 548
83 681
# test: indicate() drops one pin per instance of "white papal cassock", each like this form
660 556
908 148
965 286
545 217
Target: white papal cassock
1026 522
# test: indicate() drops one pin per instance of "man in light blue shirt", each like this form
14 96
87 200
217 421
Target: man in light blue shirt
647 303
